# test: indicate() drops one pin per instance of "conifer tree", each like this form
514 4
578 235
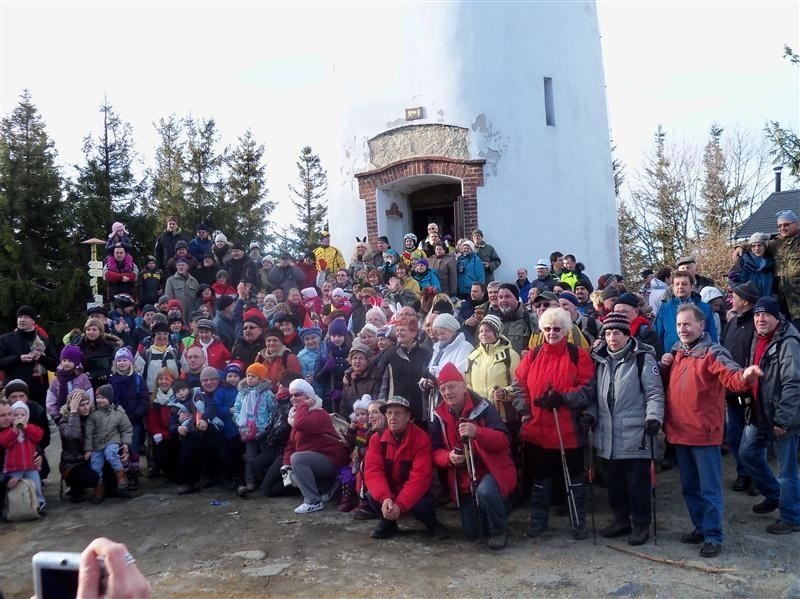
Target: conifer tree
167 176
38 257
202 174
310 202
247 209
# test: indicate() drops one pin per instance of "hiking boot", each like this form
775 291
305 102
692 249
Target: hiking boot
765 507
535 529
498 542
99 494
710 549
77 497
692 538
122 481
617 528
347 500
440 533
186 489
133 480
384 530
779 527
639 535
742 483
580 533
242 491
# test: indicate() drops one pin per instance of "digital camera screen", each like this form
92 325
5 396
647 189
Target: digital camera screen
59 584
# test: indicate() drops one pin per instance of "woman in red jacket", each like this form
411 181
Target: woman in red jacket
314 453
547 385
165 448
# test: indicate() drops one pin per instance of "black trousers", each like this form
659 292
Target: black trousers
629 489
81 477
206 450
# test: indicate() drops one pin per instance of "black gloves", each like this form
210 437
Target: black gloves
586 421
651 428
553 399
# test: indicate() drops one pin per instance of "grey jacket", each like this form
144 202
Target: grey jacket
779 388
619 435
105 426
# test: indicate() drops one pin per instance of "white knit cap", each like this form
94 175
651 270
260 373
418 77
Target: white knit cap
446 321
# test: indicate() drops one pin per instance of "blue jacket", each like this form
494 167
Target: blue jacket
199 247
666 321
265 403
470 270
758 270
310 362
130 392
224 398
428 279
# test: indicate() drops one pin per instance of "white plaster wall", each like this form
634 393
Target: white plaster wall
481 66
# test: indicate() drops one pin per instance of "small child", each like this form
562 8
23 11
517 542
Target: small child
224 400
357 439
108 430
20 442
310 357
335 364
130 392
251 412
377 422
69 376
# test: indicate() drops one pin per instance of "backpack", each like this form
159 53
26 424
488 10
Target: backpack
572 349
21 503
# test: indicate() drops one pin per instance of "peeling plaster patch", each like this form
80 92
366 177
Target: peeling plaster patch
356 153
396 123
492 144
413 141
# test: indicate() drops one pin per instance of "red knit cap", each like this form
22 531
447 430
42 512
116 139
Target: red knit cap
256 317
450 373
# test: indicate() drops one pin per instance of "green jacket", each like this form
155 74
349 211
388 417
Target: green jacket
105 426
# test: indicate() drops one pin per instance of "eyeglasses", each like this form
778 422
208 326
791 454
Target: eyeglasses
553 329
785 225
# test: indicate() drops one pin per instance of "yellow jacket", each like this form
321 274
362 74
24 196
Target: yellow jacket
333 259
491 365
575 337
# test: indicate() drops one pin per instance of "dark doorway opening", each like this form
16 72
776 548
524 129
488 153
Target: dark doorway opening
440 204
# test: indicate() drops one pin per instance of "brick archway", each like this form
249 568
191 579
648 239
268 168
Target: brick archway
470 172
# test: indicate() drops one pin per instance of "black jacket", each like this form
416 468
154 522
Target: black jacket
737 338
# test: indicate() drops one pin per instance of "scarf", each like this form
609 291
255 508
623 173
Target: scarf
247 412
162 398
317 405
270 356
65 377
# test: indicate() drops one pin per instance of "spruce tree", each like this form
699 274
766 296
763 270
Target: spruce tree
311 205
247 209
38 257
202 177
167 177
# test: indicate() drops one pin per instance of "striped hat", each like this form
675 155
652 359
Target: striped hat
616 321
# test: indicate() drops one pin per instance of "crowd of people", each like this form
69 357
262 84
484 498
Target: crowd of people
411 377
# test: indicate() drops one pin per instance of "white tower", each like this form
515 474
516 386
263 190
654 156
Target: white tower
513 135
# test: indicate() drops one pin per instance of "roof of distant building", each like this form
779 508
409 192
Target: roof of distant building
763 220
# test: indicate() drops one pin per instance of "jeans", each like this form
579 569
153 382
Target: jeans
110 454
734 429
785 489
493 510
701 479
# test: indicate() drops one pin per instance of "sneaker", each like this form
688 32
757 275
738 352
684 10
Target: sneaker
780 527
331 492
307 508
498 542
242 491
765 507
692 538
710 549
639 535
616 529
384 530
42 510
742 483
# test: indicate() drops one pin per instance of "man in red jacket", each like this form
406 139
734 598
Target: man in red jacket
698 371
465 422
398 470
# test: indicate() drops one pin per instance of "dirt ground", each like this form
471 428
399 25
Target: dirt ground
214 544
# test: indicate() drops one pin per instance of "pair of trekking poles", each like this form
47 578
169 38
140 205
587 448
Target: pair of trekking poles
571 503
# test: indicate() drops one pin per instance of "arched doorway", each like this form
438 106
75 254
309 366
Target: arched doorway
404 196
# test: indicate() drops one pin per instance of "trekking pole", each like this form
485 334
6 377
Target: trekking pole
591 481
573 508
653 487
473 482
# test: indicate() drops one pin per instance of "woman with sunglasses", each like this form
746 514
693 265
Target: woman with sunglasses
548 398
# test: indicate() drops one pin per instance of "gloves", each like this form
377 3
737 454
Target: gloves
553 399
586 421
539 402
651 428
158 438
